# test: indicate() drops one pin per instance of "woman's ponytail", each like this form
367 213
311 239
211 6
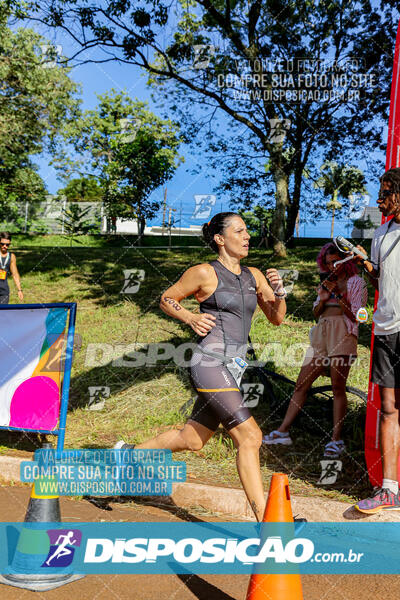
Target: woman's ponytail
217 225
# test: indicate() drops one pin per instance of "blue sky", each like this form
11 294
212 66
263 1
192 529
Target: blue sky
100 78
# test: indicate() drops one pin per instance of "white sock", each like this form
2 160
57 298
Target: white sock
391 485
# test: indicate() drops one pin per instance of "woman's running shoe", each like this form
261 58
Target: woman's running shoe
383 499
122 446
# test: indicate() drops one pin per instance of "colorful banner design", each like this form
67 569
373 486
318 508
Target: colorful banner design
202 548
31 344
103 472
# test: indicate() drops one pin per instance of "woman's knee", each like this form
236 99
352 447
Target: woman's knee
303 384
191 439
339 388
388 409
248 436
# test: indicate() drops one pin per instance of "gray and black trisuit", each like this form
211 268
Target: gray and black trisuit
233 304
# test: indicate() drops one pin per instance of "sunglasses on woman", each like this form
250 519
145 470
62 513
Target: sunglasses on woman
385 194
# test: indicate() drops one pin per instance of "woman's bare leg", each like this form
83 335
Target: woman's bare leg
193 436
340 367
247 439
308 374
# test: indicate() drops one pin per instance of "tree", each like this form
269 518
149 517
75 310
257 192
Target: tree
35 101
363 224
82 189
339 180
74 222
21 190
128 149
36 97
232 61
258 221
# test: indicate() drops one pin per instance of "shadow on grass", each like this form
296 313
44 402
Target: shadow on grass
310 432
162 502
99 272
119 378
202 589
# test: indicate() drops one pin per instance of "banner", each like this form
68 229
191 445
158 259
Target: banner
202 548
32 341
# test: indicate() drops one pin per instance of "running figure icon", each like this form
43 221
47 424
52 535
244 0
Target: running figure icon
62 549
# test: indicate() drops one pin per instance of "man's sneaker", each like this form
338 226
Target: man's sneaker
122 446
383 499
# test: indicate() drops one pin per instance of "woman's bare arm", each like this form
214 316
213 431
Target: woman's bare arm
193 280
273 307
15 275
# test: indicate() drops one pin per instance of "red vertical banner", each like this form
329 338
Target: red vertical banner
372 449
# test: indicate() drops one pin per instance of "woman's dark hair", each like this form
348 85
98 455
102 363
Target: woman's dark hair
218 223
392 176
4 235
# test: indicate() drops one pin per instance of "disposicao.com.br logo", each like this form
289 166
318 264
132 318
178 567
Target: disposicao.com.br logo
192 550
215 547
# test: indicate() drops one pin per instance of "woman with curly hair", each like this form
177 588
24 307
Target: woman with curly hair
333 344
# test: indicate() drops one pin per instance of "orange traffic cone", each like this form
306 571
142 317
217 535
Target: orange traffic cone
277 586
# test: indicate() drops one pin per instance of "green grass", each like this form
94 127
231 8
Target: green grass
147 400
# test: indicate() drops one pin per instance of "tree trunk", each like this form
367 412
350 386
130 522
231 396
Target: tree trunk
281 204
292 221
333 221
139 239
139 219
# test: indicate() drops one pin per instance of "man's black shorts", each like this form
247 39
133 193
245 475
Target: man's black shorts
386 360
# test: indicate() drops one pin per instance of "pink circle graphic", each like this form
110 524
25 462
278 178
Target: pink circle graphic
35 404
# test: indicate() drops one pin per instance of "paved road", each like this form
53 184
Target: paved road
13 503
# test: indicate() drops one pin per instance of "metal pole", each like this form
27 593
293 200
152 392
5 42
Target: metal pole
169 227
164 209
180 219
67 378
26 217
63 214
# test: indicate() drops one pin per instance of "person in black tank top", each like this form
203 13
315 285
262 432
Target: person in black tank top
8 264
228 294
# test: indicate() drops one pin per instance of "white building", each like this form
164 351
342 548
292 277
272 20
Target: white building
375 216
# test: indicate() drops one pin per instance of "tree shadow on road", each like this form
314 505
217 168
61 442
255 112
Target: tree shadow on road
202 589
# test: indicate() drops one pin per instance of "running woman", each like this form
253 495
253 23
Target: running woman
8 264
228 294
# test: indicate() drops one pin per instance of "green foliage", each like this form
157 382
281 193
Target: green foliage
127 148
235 120
363 223
74 222
21 190
339 180
257 220
82 189
36 97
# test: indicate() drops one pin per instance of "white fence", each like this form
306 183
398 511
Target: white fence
50 216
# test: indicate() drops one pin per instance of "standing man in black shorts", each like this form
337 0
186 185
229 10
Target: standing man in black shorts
8 264
383 272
